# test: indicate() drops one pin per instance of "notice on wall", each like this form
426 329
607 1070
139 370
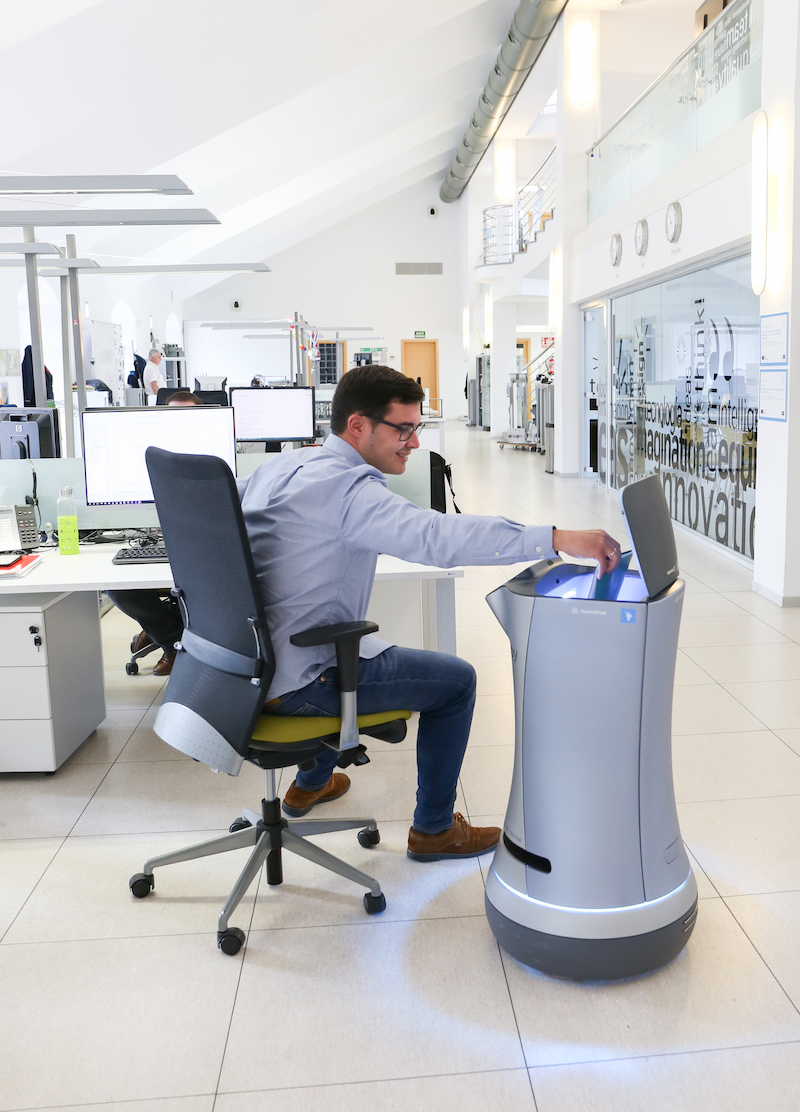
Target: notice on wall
419 335
774 339
772 393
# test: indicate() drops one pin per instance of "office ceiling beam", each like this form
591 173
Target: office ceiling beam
167 184
286 325
61 267
103 218
185 268
27 249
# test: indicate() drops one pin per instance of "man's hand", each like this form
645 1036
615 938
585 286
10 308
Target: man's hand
595 544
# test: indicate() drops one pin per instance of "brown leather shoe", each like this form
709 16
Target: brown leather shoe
298 802
461 840
141 641
163 667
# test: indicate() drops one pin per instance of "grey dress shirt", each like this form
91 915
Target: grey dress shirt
317 519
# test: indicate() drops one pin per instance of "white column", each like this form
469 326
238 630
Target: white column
577 127
504 362
776 572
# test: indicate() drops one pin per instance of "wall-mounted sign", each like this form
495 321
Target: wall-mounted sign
547 341
775 338
9 363
419 335
772 393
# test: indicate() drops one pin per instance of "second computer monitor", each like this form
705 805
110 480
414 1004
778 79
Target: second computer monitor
115 442
279 413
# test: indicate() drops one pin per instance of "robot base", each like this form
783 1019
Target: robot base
591 959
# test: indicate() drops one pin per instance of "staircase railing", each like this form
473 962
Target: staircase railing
537 201
508 229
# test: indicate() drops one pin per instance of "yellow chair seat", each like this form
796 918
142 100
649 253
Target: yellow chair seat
275 729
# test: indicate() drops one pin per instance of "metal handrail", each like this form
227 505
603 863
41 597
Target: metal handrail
508 229
539 173
500 234
537 200
539 355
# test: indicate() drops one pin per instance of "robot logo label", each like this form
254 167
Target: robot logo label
628 616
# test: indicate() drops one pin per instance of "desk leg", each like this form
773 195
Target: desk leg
439 615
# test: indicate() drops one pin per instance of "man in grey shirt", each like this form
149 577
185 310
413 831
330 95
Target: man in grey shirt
317 520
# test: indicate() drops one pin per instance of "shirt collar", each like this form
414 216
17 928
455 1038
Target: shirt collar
341 448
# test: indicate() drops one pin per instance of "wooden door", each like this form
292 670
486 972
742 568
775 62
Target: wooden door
420 360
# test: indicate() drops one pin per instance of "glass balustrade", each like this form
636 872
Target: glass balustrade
712 86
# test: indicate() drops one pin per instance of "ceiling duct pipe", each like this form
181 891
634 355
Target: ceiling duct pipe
529 31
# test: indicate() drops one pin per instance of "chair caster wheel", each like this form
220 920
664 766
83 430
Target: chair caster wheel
141 885
230 941
239 824
368 838
132 668
374 904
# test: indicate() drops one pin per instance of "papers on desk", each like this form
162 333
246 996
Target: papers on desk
22 567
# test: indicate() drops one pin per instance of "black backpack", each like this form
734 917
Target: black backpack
441 471
135 377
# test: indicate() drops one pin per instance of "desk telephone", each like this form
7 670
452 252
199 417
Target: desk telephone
18 529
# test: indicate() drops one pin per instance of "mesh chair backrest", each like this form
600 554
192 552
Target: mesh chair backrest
204 533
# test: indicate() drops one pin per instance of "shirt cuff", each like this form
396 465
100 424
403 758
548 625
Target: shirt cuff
539 542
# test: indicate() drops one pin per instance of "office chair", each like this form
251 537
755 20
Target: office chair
132 667
214 700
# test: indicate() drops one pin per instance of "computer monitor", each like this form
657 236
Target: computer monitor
115 441
29 434
277 413
207 397
210 382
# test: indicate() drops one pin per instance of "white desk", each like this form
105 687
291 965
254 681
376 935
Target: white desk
414 605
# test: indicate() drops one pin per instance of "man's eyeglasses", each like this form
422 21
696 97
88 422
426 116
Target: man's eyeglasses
405 431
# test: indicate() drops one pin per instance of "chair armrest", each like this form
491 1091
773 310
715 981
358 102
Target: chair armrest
332 634
346 636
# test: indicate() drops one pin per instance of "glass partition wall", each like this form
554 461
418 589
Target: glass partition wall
680 397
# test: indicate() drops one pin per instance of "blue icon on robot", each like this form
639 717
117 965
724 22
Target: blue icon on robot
628 616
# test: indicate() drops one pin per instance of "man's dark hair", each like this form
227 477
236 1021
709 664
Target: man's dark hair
371 390
185 396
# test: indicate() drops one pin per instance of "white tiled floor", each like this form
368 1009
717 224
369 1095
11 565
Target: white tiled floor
113 1003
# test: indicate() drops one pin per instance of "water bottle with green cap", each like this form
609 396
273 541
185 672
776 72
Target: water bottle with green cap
67 522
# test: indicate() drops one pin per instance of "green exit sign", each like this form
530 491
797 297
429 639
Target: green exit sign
419 335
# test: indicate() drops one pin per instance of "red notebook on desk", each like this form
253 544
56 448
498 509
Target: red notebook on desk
22 566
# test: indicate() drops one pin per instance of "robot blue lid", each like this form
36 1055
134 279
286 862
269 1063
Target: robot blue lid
649 526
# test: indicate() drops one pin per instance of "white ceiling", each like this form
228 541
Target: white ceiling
282 117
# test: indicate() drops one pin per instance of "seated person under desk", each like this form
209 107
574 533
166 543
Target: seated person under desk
316 522
156 611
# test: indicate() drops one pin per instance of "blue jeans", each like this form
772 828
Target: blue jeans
439 686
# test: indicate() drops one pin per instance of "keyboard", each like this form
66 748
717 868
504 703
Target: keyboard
150 554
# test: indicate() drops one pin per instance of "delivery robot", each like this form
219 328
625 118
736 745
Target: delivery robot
590 880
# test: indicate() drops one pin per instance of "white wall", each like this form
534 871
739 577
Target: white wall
713 188
222 352
345 275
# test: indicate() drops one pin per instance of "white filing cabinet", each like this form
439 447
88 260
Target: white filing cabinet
51 695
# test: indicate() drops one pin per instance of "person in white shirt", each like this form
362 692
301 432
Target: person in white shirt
152 378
